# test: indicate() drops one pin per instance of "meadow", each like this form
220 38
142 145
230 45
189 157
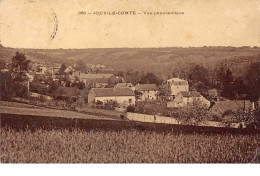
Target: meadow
126 146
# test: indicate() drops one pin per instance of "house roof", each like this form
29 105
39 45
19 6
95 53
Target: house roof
232 105
185 94
177 81
190 94
69 91
146 87
111 92
194 94
124 85
98 80
90 75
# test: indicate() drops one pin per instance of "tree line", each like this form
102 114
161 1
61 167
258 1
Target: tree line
200 77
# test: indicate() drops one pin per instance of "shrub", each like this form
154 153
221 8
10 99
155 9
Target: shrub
193 114
110 105
130 108
42 98
250 118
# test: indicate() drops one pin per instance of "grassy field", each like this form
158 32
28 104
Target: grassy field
127 146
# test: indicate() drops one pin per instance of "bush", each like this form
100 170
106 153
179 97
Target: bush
110 105
250 118
193 114
42 98
130 108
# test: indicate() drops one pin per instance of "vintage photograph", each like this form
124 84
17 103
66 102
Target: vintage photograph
129 81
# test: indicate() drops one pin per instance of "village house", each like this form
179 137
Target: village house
177 85
67 92
125 85
37 95
69 70
99 82
54 69
41 69
89 76
220 107
123 96
184 98
147 91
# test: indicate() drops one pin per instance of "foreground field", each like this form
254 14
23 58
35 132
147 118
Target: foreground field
78 146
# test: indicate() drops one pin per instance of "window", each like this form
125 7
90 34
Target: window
130 100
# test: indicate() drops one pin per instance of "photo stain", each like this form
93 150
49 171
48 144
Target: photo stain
55 27
188 36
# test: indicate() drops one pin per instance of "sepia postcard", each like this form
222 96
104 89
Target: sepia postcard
130 81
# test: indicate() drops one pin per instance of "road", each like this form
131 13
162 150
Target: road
48 112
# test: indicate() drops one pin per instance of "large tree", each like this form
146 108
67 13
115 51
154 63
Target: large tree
2 64
13 81
199 73
220 71
240 87
193 114
81 66
228 88
62 69
132 77
19 66
151 78
253 80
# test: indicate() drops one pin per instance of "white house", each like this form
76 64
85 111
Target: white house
148 91
184 98
123 96
177 85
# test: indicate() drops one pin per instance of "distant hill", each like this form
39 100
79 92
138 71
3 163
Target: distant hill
157 60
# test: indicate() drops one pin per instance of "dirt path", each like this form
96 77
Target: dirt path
48 112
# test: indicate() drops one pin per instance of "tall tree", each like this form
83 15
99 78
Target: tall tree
19 66
199 73
253 80
2 64
239 86
228 88
132 77
62 69
151 78
12 82
81 66
220 71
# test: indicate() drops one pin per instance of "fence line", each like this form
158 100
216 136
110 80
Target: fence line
171 120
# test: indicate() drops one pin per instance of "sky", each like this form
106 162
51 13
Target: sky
31 23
